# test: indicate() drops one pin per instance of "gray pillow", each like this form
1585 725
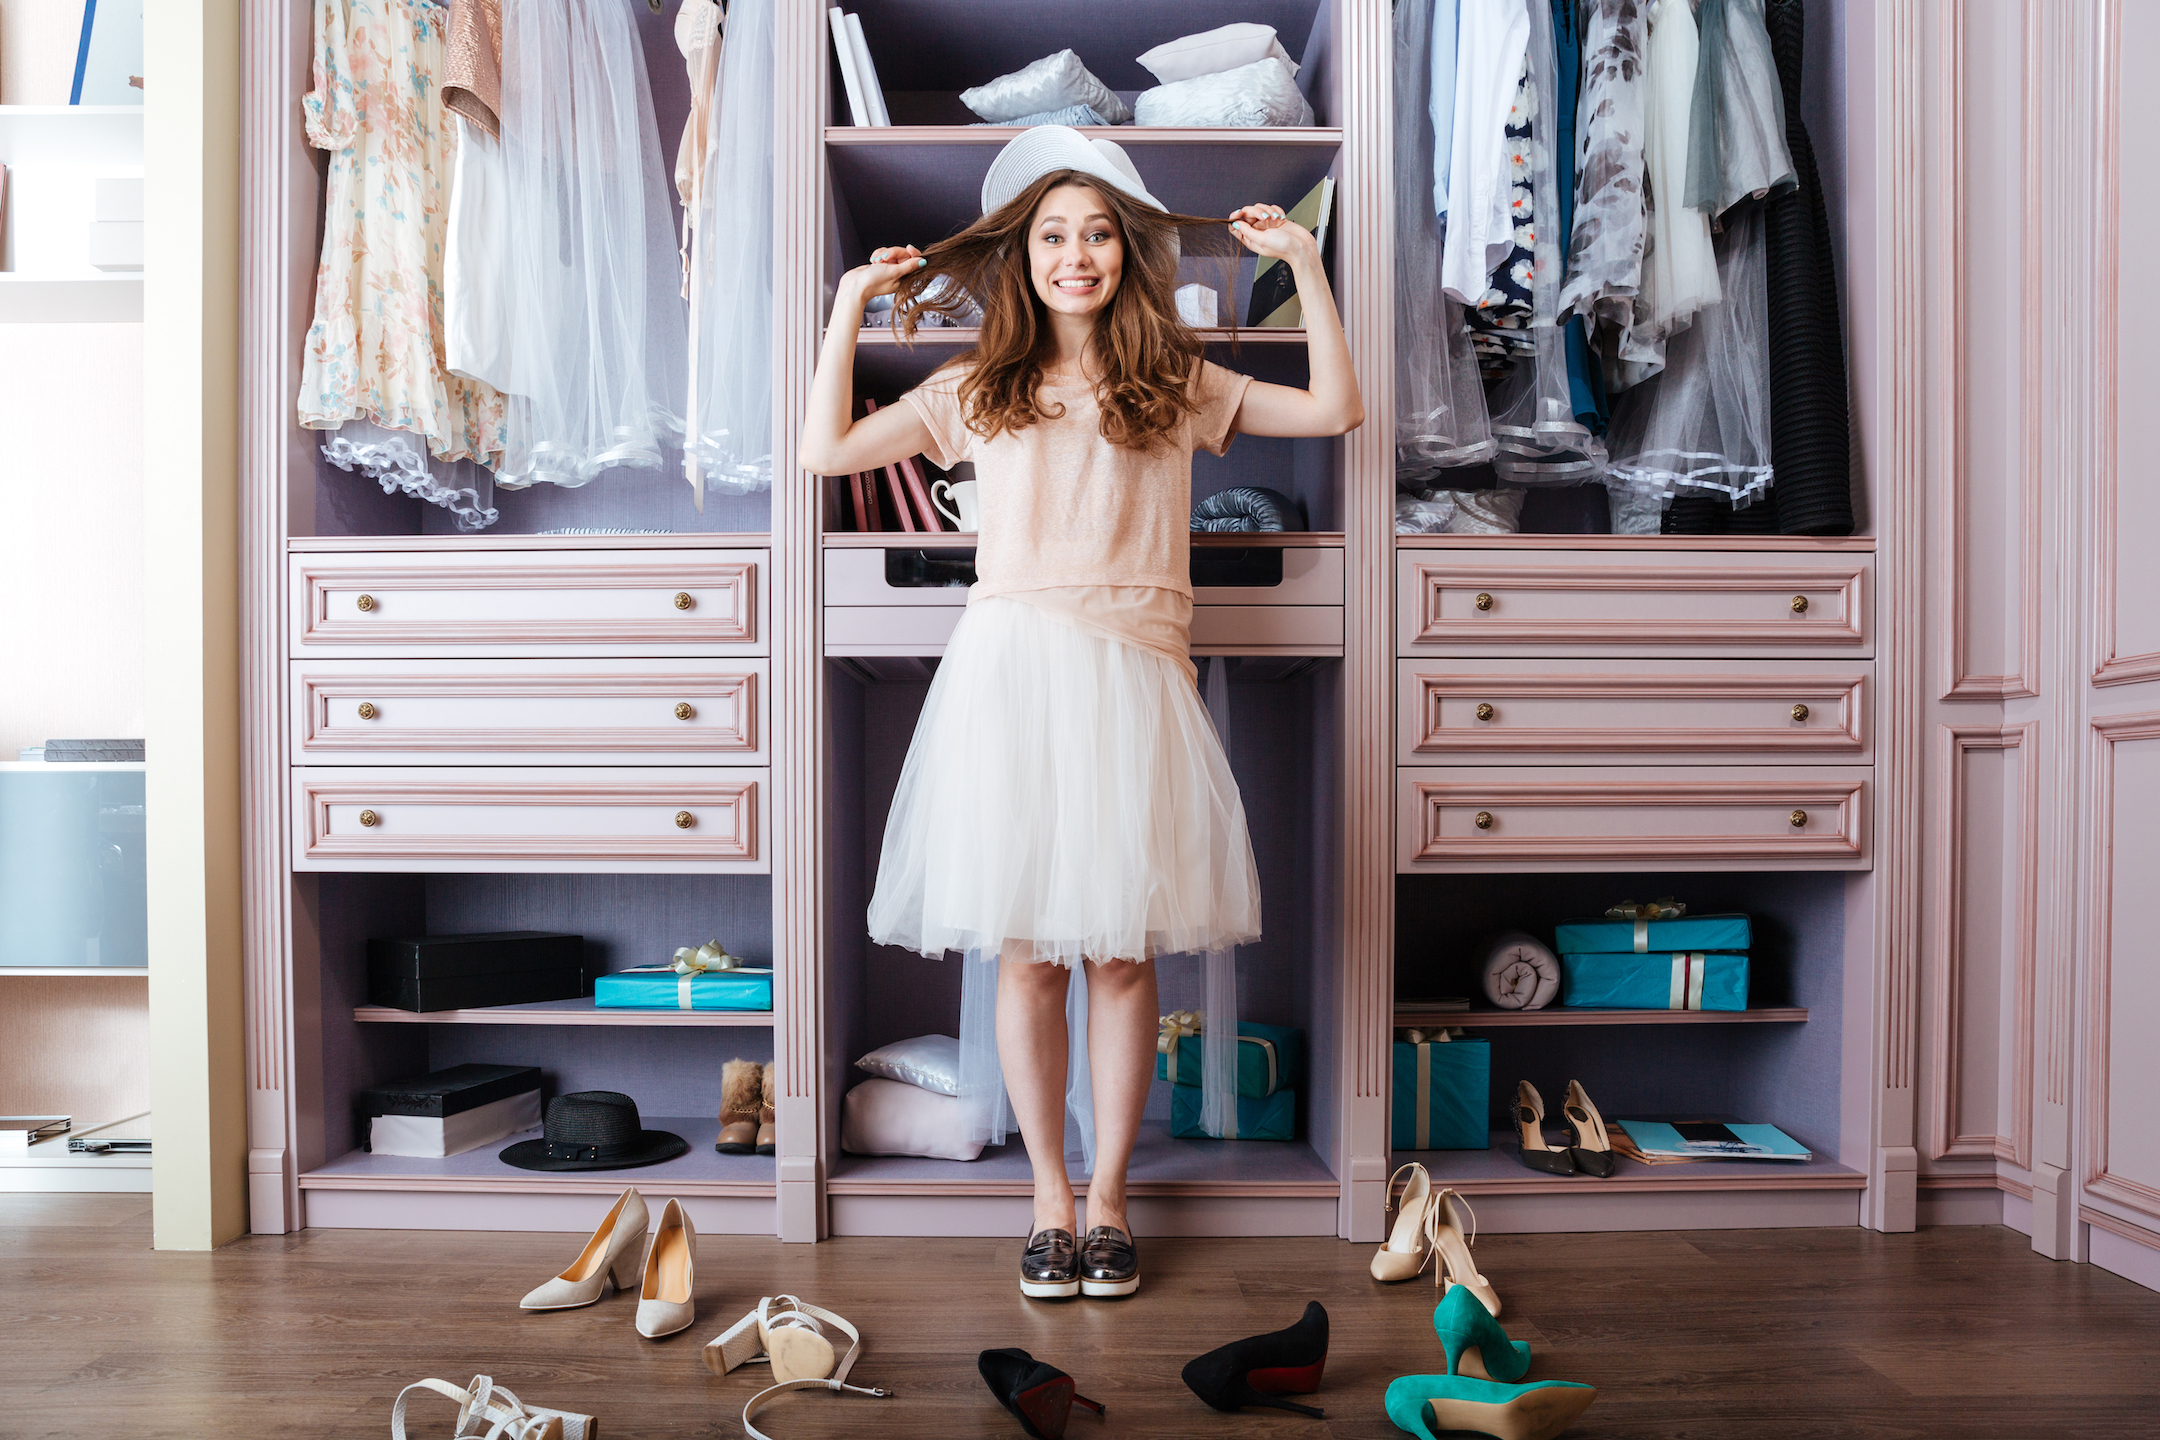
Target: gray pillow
1264 93
931 1062
1051 83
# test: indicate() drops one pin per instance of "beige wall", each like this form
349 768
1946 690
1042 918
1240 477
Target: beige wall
38 39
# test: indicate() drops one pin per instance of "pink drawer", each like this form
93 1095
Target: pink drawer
1562 712
1699 818
1560 602
528 712
510 603
538 818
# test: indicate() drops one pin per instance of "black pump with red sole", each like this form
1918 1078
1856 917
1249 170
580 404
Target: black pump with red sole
1256 1370
1039 1395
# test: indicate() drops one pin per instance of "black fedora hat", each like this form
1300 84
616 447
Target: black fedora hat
594 1130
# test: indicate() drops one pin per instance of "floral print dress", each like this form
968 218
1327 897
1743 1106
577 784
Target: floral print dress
375 349
1499 322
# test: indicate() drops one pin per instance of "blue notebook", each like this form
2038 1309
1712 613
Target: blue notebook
1661 1141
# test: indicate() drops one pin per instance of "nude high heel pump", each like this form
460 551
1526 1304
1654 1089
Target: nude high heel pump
1588 1144
1451 1242
608 1261
1409 1244
1530 1120
668 1301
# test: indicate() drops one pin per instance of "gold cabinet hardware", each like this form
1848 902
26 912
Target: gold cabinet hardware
1485 711
365 602
1799 604
683 710
1483 821
1799 818
367 710
369 819
1799 713
683 600
1483 601
684 819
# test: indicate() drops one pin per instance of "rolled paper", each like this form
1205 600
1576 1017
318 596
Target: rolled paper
1521 973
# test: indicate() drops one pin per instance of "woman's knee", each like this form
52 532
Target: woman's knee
1119 976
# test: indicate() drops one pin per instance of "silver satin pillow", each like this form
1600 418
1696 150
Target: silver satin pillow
1262 93
1051 83
929 1061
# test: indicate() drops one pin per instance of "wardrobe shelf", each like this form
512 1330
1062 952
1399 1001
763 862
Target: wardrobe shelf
560 1012
1706 544
965 540
998 136
1407 1014
958 335
461 544
1500 1171
1161 1166
700 1170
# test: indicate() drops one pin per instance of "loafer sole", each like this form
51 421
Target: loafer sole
1109 1289
1049 1289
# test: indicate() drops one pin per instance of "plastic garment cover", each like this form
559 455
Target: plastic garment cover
1703 424
1679 274
1459 512
731 264
1736 127
1440 418
596 333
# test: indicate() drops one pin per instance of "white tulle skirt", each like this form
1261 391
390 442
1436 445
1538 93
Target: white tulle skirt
1067 791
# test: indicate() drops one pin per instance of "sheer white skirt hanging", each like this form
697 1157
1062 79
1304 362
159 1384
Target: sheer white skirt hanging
1440 418
730 267
398 461
595 333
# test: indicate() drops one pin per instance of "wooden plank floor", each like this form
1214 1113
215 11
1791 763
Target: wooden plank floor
1787 1333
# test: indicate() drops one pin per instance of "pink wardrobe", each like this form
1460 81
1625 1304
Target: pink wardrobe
1924 757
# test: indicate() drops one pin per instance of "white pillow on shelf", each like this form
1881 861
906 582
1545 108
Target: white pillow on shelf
930 1061
1051 83
1226 47
887 1117
1264 93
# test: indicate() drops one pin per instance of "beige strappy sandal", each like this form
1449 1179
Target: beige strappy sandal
1449 1241
1409 1244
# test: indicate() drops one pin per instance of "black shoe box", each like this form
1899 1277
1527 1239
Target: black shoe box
443 1093
462 972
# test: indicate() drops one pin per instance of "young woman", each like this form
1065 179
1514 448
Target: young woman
1065 803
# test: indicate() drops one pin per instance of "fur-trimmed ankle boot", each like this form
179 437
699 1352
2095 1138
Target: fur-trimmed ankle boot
767 1132
741 1098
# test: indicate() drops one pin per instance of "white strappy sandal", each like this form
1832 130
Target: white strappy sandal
790 1334
483 1403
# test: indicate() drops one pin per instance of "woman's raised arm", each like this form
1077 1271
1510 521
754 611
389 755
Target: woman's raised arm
1332 405
833 442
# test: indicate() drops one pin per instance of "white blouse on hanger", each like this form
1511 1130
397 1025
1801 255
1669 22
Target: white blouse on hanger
1491 39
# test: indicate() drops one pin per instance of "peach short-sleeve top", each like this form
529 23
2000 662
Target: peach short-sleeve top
1094 533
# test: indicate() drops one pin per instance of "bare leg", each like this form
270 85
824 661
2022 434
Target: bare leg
1121 1062
1033 1054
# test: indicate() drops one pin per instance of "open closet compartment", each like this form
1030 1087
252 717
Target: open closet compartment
1284 737
668 1061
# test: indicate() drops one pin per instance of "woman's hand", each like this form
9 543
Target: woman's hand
1265 230
887 268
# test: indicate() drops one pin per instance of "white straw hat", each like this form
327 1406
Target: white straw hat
1046 149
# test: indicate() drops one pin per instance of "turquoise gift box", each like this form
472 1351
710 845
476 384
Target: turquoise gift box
1442 1093
1266 1117
1269 1058
1689 932
1682 980
659 987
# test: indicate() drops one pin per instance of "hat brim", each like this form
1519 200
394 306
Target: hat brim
1046 149
653 1147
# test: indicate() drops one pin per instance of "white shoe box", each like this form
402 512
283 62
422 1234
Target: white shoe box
430 1138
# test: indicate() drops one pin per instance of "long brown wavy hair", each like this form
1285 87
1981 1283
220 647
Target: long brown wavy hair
1146 353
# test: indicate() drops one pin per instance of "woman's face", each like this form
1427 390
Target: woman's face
1075 253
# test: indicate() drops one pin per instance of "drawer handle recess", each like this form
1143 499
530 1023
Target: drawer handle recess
1485 711
1799 818
367 710
684 819
683 710
683 600
1483 601
1800 713
369 819
1483 820
1799 604
365 602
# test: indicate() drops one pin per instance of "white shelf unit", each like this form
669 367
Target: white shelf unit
55 155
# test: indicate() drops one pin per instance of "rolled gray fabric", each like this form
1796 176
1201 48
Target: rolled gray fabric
1521 973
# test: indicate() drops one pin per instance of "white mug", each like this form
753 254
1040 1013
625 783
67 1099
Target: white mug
961 493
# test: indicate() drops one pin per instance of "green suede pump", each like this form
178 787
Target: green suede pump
1475 1344
1424 1404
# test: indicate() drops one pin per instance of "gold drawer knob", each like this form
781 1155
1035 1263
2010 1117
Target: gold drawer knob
369 819
683 600
1799 604
1483 601
367 710
1799 713
683 710
365 602
684 819
1799 818
1483 820
1485 711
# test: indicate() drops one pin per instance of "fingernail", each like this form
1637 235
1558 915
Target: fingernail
921 260
1237 224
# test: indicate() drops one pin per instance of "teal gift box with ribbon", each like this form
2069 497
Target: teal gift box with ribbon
1682 980
1442 1091
1269 1057
1265 1117
662 987
1646 937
